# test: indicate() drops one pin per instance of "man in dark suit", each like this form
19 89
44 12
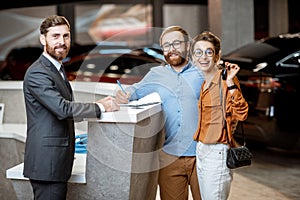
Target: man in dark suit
51 111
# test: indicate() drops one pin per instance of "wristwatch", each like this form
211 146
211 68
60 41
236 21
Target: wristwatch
232 87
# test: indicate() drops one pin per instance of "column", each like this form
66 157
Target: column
232 21
278 17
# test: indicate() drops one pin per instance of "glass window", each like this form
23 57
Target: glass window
292 61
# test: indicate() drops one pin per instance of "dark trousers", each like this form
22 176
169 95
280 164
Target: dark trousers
49 190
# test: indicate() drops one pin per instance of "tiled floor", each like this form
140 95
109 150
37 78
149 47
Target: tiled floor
246 189
273 175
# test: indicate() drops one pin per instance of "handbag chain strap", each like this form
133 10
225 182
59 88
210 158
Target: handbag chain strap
223 115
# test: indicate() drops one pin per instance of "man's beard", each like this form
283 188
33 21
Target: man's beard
60 55
176 62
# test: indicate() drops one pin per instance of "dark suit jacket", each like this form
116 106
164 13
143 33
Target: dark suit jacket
50 142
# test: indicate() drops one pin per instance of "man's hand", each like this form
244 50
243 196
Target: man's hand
122 97
109 104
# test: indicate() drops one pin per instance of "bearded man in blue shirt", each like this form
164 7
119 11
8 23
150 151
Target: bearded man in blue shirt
178 83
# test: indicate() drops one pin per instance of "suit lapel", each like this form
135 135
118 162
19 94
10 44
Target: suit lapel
67 89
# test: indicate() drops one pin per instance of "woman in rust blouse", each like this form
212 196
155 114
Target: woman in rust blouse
219 99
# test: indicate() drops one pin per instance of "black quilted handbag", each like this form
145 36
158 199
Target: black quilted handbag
238 156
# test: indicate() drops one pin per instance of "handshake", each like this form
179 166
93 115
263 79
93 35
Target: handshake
109 103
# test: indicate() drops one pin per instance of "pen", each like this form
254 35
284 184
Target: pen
121 86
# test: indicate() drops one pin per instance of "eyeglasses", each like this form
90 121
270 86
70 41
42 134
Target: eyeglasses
208 52
176 44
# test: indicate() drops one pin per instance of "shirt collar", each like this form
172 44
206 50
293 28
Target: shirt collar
186 67
216 78
53 61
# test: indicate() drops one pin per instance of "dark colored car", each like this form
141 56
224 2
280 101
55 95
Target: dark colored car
269 77
106 64
18 60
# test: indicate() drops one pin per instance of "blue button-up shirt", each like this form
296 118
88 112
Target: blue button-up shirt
179 92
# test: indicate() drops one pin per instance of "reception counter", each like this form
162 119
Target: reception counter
122 154
121 160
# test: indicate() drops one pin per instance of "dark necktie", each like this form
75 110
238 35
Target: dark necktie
62 71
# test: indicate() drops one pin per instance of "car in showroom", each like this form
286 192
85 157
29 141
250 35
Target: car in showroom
269 76
18 59
109 64
104 62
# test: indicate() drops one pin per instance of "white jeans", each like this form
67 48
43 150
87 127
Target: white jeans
213 175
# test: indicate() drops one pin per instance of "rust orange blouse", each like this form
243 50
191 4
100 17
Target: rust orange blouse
210 123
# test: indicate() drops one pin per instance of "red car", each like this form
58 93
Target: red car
104 64
92 63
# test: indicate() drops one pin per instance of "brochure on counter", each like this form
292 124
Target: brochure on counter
150 99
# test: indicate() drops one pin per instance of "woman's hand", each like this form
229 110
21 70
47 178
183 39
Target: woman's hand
232 70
